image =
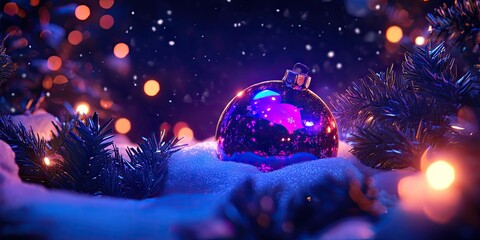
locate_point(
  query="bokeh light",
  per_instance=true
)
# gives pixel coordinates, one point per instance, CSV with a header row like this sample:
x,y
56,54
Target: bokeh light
x,y
419,40
151,88
186,134
106,103
47,82
178,126
106,21
75,37
82,108
123,125
82,12
106,4
440,175
54,63
394,34
121,50
10,8
60,79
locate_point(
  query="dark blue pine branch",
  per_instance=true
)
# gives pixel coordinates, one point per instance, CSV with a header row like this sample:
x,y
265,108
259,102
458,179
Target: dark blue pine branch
x,y
30,151
143,175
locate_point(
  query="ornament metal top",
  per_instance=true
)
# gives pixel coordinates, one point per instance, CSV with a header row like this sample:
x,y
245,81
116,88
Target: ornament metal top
x,y
276,123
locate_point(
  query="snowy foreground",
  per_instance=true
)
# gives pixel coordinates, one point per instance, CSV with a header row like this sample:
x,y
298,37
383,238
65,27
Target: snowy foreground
x,y
197,183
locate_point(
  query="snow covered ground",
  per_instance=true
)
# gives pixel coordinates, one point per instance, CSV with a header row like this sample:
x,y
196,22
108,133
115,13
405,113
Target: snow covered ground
x,y
197,183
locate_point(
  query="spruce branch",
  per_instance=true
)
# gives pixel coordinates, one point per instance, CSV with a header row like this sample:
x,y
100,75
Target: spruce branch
x,y
85,153
7,67
391,120
30,151
143,175
458,25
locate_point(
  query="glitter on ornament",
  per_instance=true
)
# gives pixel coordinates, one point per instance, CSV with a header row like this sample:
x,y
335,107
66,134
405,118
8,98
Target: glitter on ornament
x,y
276,123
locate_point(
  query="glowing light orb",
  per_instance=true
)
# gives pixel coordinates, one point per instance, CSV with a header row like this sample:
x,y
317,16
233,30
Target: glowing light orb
x,y
47,161
123,126
60,79
440,175
54,63
10,8
82,12
82,108
106,4
186,134
75,37
419,40
151,88
121,50
394,34
106,21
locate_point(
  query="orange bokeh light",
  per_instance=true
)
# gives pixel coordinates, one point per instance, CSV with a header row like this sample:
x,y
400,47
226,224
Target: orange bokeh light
x,y
151,88
186,134
47,82
440,175
123,125
34,3
106,4
82,12
106,104
54,63
394,34
178,126
106,21
75,37
10,8
121,50
60,79
83,108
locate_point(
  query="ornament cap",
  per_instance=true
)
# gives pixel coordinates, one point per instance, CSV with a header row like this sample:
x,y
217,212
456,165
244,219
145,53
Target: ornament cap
x,y
297,78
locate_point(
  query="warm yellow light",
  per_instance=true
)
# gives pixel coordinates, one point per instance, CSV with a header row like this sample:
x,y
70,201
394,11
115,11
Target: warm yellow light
x,y
47,162
82,12
186,134
239,94
123,125
394,34
83,108
151,88
440,175
419,40
121,50
54,63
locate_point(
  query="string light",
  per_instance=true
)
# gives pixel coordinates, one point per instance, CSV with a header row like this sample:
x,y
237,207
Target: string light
x,y
83,108
440,175
419,40
47,161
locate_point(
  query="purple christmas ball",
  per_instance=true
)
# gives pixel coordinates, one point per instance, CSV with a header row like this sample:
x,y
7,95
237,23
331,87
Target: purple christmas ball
x,y
273,124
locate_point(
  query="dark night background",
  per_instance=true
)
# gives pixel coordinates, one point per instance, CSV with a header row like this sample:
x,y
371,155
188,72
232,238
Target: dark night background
x,y
201,52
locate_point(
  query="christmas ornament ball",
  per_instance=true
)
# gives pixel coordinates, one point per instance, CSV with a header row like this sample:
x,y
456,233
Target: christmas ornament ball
x,y
276,123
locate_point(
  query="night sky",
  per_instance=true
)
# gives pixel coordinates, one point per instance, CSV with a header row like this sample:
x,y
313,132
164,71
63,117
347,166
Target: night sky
x,y
201,52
